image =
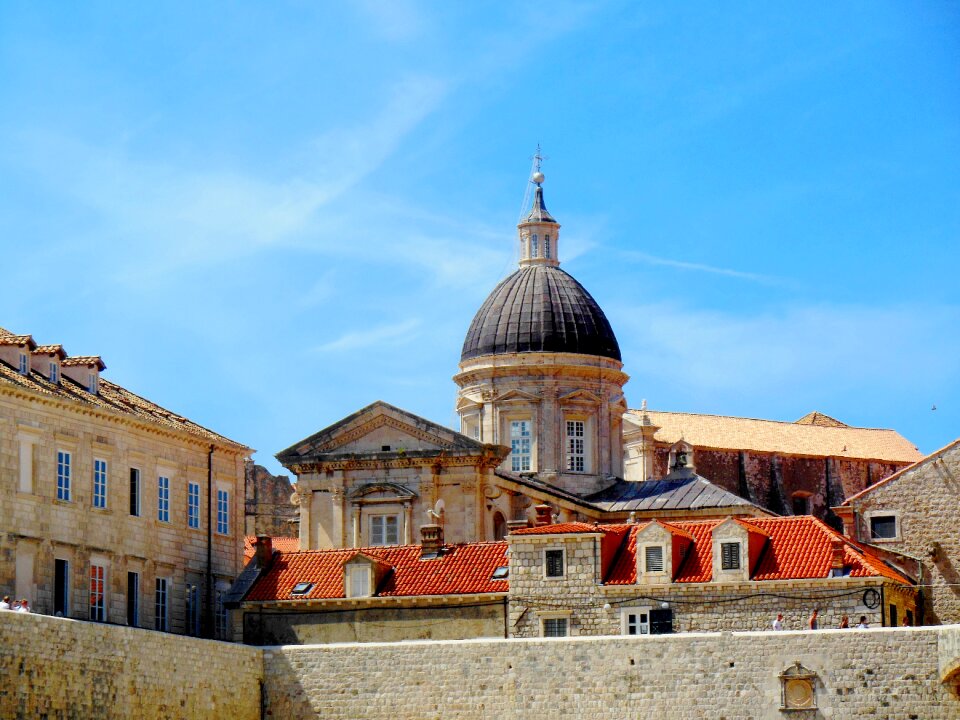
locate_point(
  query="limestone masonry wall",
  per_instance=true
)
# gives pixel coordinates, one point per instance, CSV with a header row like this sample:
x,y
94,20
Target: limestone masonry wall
x,y
878,674
56,668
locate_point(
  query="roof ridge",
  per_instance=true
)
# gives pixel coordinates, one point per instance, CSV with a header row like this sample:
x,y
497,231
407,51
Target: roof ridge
x,y
756,419
902,471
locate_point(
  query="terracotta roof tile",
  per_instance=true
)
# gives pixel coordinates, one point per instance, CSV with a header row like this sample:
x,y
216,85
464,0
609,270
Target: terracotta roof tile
x,y
734,433
561,529
460,570
84,361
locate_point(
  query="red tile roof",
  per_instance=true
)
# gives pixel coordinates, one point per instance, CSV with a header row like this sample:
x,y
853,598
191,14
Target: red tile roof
x,y
460,570
562,529
799,547
280,544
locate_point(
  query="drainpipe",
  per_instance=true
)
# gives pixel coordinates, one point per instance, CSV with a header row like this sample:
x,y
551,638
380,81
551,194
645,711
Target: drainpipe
x,y
209,630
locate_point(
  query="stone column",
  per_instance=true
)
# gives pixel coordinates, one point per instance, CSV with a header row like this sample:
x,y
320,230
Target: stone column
x,y
355,514
407,523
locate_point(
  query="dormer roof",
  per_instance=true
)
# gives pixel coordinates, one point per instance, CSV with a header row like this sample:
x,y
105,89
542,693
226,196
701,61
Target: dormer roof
x,y
85,361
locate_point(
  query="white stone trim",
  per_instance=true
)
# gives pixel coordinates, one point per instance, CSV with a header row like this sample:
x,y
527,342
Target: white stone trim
x,y
870,514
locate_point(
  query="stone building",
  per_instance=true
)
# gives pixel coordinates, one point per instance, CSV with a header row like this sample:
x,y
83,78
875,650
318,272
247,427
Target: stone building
x,y
658,577
270,506
916,513
431,591
113,508
544,419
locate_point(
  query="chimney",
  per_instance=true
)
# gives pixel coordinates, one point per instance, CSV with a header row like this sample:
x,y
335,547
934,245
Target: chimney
x,y
431,538
836,553
544,515
263,550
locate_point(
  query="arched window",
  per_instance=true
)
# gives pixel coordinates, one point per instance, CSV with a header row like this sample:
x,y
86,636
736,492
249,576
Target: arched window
x,y
534,246
546,246
499,526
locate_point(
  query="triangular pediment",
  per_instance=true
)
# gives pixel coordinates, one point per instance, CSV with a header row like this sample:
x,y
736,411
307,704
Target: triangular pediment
x,y
516,396
378,428
579,396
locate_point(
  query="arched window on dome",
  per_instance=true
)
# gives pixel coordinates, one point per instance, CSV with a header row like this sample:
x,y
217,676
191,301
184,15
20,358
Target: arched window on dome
x,y
546,246
534,246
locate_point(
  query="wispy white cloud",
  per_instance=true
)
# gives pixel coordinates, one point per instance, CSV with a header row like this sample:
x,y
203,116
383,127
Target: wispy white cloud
x,y
381,336
702,267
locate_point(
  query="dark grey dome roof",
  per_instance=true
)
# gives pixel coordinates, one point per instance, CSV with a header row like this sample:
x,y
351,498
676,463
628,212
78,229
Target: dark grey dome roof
x,y
540,308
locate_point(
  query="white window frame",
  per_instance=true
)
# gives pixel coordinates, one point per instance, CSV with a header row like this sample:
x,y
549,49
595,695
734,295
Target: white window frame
x,y
64,474
100,475
470,425
575,444
54,372
521,446
93,383
161,604
663,559
361,584
193,505
563,563
223,511
381,520
163,498
546,617
24,366
898,530
98,600
640,624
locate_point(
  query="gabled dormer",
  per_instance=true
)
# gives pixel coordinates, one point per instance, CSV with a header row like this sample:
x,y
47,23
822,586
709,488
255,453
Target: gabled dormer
x,y
661,548
737,547
84,370
47,360
15,350
362,574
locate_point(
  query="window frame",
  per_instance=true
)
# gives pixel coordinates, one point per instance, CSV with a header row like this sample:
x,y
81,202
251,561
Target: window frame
x,y
625,614
64,474
163,498
735,546
555,617
161,604
524,442
23,366
366,586
98,592
663,559
872,515
135,490
223,511
193,505
547,554
191,608
575,454
65,581
100,483
54,372
374,519
133,598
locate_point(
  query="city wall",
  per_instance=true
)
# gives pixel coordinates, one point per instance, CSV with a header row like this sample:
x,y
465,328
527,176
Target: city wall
x,y
58,668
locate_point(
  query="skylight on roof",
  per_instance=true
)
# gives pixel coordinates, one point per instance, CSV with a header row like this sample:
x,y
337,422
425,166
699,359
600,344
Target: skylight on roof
x,y
302,588
501,573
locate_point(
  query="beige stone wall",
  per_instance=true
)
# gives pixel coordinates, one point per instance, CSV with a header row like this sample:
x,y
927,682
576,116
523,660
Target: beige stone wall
x,y
697,607
51,667
859,674
374,624
37,529
926,501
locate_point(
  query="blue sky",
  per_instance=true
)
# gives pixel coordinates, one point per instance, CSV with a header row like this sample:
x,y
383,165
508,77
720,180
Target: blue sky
x,y
267,215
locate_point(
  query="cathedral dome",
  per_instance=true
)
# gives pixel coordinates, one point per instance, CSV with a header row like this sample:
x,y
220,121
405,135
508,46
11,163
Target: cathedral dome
x,y
540,308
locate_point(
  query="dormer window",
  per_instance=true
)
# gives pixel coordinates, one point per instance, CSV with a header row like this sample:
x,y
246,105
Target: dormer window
x,y
653,559
359,581
730,556
54,372
24,364
93,383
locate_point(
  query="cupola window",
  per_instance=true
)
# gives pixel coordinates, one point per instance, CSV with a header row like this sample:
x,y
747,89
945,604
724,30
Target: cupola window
x,y
546,247
576,457
520,445
534,246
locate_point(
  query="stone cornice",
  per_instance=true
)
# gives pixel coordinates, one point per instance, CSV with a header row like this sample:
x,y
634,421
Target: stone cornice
x,y
395,460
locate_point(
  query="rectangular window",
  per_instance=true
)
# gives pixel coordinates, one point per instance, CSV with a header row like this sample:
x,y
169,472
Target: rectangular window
x,y
661,621
223,512
134,492
28,453
24,364
359,582
520,445
534,247
54,373
553,561
160,605
61,588
98,584
220,615
163,499
384,529
653,558
637,622
192,618
193,505
883,527
730,556
555,627
92,383
133,599
99,483
546,247
576,458
63,476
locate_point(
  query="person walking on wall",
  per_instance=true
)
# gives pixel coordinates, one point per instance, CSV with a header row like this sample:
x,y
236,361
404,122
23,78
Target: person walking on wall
x,y
24,606
5,605
778,623
814,622
844,622
862,625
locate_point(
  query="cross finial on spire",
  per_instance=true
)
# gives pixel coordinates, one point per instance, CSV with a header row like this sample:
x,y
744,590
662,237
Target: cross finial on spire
x,y
538,158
